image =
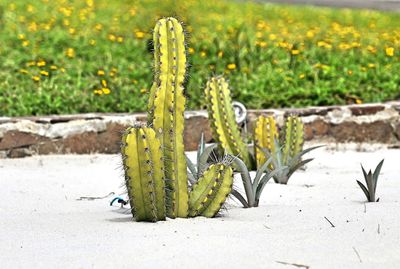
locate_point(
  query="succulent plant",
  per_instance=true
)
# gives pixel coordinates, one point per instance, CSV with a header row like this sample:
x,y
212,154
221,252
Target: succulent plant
x,y
253,188
265,133
286,158
209,193
222,118
371,179
144,175
166,110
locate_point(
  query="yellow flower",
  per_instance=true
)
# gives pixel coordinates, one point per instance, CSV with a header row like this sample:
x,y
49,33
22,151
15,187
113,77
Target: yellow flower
x,y
310,34
23,71
350,72
220,54
36,78
139,34
143,90
295,52
70,52
272,36
25,43
371,49
21,36
41,63
98,27
100,72
390,52
31,63
104,82
99,92
44,73
301,76
359,101
72,30
120,39
106,90
112,37
53,67
231,66
371,65
191,50
203,54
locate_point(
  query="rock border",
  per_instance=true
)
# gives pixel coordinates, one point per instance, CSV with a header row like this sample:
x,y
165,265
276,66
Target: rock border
x,y
100,133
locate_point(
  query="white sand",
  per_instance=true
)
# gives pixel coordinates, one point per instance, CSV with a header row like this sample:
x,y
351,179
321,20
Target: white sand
x,y
42,225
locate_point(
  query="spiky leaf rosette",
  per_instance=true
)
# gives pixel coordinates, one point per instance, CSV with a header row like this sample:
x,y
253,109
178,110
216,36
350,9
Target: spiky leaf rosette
x,y
144,176
222,117
265,133
294,138
166,109
210,192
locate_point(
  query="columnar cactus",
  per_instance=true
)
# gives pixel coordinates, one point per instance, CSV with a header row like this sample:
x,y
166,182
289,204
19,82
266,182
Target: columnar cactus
x,y
166,110
144,175
210,192
265,134
222,117
294,138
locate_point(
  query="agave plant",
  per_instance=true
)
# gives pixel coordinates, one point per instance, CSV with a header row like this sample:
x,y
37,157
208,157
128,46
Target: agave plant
x,y
371,179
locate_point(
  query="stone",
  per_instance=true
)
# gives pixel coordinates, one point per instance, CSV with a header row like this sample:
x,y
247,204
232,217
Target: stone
x,y
316,128
110,140
16,139
19,153
194,126
397,131
84,143
366,109
378,131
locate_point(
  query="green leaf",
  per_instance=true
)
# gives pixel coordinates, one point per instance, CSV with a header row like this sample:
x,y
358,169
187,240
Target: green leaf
x,y
364,190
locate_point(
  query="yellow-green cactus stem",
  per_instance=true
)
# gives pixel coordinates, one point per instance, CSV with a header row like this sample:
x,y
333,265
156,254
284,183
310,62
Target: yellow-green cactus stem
x,y
222,118
168,108
265,134
144,175
294,138
210,192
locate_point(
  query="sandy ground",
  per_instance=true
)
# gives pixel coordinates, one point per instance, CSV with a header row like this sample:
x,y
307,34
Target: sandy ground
x,y
43,225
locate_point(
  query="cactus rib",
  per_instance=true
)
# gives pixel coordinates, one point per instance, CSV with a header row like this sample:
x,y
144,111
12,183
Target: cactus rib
x,y
294,132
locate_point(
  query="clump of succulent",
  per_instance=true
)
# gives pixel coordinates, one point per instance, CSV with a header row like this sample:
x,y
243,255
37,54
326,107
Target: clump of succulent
x,y
222,119
154,160
144,174
286,156
371,180
253,187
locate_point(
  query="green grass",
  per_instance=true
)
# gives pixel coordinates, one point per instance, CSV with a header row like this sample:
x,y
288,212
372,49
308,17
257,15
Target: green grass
x,y
53,53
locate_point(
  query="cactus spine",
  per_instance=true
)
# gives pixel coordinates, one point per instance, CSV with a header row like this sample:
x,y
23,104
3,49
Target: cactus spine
x,y
265,133
294,138
222,116
210,192
166,110
144,176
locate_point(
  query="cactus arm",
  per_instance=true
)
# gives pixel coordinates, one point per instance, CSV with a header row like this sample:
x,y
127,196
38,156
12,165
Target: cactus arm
x,y
264,134
223,193
204,190
223,121
169,105
294,138
144,179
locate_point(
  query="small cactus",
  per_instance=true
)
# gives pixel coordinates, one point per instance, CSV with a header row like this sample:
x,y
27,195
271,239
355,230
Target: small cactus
x,y
211,190
222,118
294,138
144,175
265,134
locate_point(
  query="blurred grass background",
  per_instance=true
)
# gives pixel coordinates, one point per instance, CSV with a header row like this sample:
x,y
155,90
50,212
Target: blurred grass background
x,y
62,56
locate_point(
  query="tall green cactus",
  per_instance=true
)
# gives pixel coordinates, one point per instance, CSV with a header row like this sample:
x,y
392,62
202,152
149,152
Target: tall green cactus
x,y
222,117
144,176
294,138
265,134
166,110
210,192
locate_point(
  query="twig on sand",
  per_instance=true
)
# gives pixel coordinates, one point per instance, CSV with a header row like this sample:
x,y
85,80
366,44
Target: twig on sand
x,y
267,227
333,226
365,208
379,228
294,264
91,198
358,255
